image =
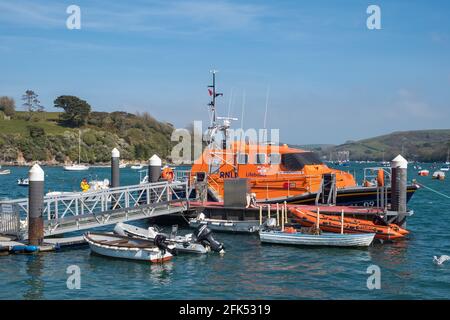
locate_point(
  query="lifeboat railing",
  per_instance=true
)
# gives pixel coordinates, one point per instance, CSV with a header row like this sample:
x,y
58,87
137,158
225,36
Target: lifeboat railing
x,y
219,155
214,185
370,177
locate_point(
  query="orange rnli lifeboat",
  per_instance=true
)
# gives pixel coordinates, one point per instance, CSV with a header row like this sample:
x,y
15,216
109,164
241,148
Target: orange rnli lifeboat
x,y
351,225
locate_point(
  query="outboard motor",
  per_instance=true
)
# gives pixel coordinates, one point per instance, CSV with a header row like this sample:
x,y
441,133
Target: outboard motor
x,y
160,242
204,236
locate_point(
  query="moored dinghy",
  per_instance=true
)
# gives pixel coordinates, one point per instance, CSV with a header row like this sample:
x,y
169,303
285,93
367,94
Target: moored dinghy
x,y
313,237
323,239
116,246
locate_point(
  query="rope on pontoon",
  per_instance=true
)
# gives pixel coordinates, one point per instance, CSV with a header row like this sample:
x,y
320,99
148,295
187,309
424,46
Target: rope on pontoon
x,y
435,191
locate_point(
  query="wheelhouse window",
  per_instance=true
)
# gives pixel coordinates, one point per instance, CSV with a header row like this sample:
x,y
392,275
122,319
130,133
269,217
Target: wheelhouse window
x,y
260,158
297,161
242,158
274,158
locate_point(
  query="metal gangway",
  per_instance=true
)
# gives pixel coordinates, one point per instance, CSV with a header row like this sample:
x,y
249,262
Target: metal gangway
x,y
76,211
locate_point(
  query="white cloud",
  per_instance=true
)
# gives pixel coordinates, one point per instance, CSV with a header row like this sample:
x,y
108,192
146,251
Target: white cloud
x,y
410,106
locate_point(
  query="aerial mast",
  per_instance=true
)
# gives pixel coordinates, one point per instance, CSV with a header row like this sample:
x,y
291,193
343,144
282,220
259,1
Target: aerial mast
x,y
214,95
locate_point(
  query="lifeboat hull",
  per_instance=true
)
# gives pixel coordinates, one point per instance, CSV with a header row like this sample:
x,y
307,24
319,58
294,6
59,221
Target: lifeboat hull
x,y
351,225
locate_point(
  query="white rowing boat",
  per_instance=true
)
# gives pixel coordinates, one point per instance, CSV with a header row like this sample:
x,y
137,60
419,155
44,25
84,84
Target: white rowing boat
x,y
323,239
116,246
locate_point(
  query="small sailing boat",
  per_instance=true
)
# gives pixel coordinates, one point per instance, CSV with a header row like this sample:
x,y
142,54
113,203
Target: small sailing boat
x,y
446,167
77,166
116,246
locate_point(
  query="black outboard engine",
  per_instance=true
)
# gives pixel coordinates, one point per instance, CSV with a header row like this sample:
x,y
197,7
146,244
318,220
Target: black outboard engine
x,y
160,242
204,236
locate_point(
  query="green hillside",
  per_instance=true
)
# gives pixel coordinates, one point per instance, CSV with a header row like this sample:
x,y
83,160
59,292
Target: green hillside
x,y
43,137
421,145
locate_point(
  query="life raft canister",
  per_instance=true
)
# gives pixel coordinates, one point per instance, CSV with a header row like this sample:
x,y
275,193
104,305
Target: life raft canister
x,y
167,174
380,178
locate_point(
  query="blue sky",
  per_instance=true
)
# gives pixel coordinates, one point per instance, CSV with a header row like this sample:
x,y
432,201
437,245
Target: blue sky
x,y
331,79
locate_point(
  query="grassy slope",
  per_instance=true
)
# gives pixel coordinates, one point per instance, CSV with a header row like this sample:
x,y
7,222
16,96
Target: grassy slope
x,y
60,141
47,121
426,145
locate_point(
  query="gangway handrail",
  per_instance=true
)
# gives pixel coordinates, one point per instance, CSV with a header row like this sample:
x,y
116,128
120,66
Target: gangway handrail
x,y
143,200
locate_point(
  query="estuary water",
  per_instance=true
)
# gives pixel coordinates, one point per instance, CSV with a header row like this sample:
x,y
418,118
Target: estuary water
x,y
248,270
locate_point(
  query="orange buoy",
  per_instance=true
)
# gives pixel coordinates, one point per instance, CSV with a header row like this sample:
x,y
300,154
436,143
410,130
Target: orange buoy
x,y
380,178
167,174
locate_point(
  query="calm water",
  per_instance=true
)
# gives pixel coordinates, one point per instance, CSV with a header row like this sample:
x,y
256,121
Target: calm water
x,y
248,270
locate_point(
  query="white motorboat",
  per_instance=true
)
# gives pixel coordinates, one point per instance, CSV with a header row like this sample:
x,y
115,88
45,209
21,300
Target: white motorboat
x,y
122,165
5,172
23,182
96,185
244,226
116,246
200,242
137,167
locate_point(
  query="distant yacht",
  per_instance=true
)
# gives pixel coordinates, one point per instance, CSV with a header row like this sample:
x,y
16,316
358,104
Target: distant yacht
x,y
78,166
446,167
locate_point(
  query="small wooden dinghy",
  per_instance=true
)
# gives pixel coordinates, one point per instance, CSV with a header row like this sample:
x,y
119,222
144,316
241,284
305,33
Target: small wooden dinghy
x,y
186,243
122,247
323,239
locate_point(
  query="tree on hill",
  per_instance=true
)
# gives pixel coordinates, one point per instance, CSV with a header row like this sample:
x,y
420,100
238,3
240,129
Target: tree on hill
x,y
76,110
7,105
31,102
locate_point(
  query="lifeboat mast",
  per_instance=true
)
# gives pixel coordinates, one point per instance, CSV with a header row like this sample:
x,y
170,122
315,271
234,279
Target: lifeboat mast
x,y
215,126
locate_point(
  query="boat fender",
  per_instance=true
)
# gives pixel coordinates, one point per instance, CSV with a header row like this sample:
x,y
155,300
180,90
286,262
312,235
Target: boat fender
x,y
380,178
24,249
204,236
30,249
